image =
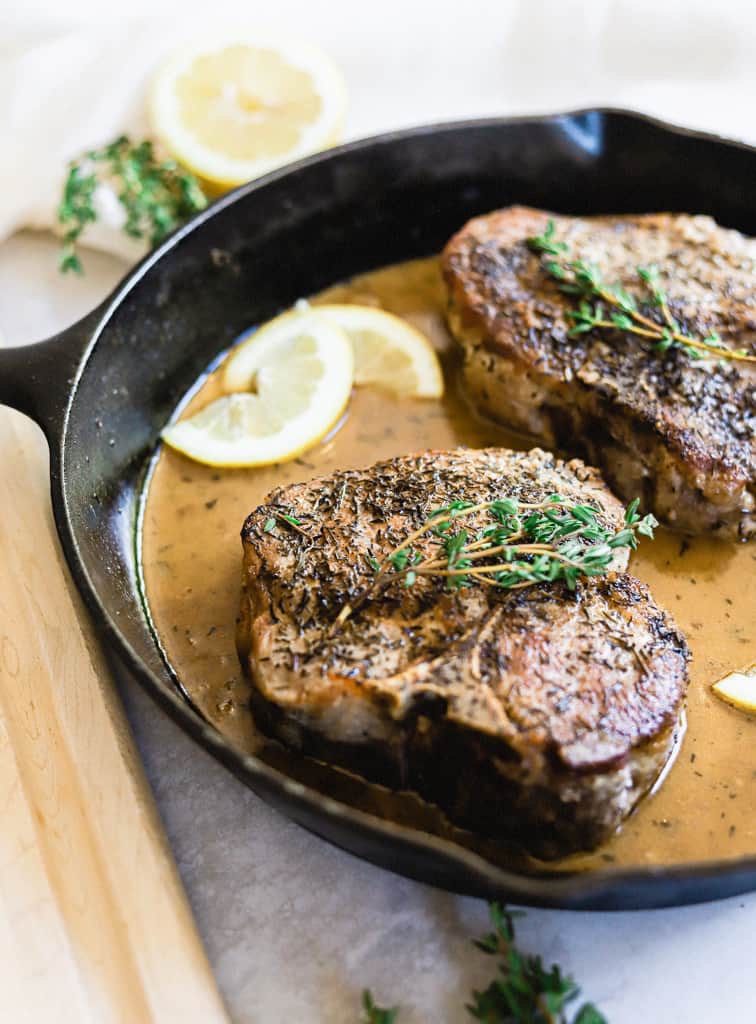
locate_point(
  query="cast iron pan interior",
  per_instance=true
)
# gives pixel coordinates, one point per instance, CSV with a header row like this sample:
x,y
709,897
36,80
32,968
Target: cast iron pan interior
x,y
103,389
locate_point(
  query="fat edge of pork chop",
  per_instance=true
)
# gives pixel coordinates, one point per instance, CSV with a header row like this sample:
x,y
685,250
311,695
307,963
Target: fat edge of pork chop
x,y
681,433
539,716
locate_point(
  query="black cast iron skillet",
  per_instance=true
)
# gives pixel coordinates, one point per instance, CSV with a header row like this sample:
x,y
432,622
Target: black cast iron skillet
x,y
103,389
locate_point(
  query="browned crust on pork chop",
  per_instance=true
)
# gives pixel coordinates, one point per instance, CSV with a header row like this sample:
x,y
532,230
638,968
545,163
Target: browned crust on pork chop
x,y
539,715
679,432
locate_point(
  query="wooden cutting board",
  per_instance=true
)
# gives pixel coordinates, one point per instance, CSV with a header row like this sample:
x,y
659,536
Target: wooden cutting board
x,y
94,923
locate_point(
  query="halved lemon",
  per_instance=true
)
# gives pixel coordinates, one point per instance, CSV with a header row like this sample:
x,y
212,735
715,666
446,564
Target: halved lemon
x,y
388,352
233,106
739,689
299,378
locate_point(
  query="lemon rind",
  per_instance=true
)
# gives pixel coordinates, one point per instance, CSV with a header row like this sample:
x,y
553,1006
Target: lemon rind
x,y
241,363
166,122
330,400
731,694
422,353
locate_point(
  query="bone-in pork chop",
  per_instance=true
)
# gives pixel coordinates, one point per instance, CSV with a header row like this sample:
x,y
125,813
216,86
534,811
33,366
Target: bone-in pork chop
x,y
540,715
680,433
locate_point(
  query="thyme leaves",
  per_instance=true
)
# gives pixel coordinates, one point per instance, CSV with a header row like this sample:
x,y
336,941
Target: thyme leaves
x,y
155,195
523,544
523,991
604,306
275,517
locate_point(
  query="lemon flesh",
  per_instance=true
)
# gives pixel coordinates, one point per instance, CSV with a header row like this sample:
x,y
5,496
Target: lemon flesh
x,y
236,106
388,352
738,689
299,384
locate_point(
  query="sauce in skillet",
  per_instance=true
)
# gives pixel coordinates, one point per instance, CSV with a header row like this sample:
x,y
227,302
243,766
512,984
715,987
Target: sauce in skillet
x,y
191,561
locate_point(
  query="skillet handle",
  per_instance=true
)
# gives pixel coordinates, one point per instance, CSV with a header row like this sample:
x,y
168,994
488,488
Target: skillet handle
x,y
37,379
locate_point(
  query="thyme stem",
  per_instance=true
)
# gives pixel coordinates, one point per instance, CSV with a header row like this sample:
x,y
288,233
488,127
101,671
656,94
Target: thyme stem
x,y
584,280
155,195
524,543
442,516
523,990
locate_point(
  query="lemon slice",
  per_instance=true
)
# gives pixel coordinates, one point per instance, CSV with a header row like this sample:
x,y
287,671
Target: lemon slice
x,y
300,369
738,688
388,352
234,106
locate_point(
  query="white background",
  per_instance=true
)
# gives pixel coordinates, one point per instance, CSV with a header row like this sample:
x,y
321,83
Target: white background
x,y
293,927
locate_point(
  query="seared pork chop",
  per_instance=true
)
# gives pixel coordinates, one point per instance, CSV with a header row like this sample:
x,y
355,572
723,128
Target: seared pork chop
x,y
541,715
679,432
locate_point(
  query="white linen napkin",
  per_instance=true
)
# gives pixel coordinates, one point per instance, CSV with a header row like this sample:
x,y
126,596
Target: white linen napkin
x,y
65,92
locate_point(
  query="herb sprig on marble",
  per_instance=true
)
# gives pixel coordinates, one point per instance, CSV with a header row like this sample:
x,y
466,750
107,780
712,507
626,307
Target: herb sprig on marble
x,y
605,306
523,991
156,195
522,544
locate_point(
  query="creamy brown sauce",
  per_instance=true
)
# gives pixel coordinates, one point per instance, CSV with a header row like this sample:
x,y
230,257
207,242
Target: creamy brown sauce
x,y
191,555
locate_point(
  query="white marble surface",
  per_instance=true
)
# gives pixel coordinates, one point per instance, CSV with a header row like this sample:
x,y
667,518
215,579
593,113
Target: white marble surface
x,y
293,927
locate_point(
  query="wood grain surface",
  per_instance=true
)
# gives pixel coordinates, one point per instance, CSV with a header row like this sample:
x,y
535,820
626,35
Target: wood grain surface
x,y
94,922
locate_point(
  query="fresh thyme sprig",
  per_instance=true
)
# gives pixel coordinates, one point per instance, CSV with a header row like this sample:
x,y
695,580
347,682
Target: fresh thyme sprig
x,y
524,544
523,992
610,306
156,195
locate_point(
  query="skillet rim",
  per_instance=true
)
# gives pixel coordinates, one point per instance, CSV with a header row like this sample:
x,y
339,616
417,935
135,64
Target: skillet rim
x,y
453,867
